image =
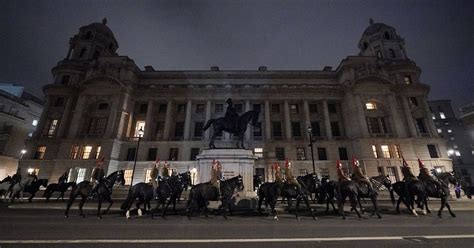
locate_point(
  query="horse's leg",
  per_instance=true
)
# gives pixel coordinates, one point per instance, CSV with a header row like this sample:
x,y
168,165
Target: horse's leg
x,y
397,208
449,209
223,208
340,206
99,205
69,203
274,212
443,203
374,202
360,205
426,205
107,198
165,208
306,200
259,205
81,204
353,200
30,199
297,206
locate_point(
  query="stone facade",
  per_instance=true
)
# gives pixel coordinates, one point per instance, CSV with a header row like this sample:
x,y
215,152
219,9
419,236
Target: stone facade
x,y
374,100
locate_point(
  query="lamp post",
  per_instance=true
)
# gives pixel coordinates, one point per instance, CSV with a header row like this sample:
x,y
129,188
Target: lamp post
x,y
140,135
23,151
311,141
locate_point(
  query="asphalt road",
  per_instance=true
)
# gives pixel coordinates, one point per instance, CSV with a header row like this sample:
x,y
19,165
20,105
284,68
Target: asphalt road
x,y
49,228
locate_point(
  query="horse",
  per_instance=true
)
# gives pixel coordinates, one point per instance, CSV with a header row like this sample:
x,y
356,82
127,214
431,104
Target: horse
x,y
104,190
364,191
327,193
202,193
34,187
62,187
312,181
444,179
5,185
351,189
144,193
400,188
236,128
257,181
169,191
17,188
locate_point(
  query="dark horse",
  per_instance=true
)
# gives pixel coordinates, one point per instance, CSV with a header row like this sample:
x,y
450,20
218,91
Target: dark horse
x,y
202,193
314,184
33,188
56,187
141,191
238,129
104,190
327,193
169,191
270,192
379,183
351,189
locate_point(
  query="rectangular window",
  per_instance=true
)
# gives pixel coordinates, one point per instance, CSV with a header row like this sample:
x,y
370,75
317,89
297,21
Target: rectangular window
x,y
52,128
316,129
335,128
81,174
380,171
147,175
257,130
441,115
280,153
130,154
100,126
313,108
276,128
294,109
219,108
179,129
322,153
238,108
373,125
181,108
198,129
160,126
332,108
258,151
127,174
276,108
173,154
194,153
420,124
392,174
343,153
396,152
199,108
162,108
385,151
74,152
97,152
143,108
300,153
296,129
374,150
86,152
407,79
152,154
139,129
433,151
40,151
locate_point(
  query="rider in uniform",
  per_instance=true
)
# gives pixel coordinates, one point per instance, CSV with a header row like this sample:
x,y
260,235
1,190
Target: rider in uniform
x,y
63,178
278,178
97,176
359,175
290,178
408,175
340,173
154,173
231,113
216,175
426,177
165,173
15,179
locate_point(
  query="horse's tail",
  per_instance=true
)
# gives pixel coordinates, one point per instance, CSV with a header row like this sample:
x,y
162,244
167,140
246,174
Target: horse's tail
x,y
392,197
208,124
125,205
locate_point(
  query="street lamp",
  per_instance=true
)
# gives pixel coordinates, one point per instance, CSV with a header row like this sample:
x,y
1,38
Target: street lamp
x,y
23,151
311,141
140,135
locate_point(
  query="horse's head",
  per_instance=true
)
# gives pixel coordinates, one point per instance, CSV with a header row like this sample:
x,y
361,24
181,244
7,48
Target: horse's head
x,y
448,177
120,177
43,182
240,183
72,184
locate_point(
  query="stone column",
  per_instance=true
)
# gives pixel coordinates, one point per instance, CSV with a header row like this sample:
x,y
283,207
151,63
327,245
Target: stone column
x,y
149,122
187,121
286,113
64,119
397,126
168,120
113,112
268,121
409,117
307,119
77,117
327,120
360,113
208,117
429,119
247,108
43,118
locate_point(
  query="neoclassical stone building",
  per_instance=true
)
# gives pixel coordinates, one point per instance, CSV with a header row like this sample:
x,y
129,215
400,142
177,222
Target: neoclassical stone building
x,y
372,105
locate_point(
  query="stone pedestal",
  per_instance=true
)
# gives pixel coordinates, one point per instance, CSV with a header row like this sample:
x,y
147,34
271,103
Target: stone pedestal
x,y
234,162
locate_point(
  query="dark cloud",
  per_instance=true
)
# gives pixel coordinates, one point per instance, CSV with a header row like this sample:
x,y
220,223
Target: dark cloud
x,y
193,35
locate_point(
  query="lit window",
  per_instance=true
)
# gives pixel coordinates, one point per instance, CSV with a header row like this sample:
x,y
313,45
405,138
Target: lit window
x,y
450,131
374,150
397,153
439,130
35,123
371,105
74,152
385,151
258,152
52,128
40,151
127,174
407,79
86,153
458,154
441,115
147,175
138,126
97,153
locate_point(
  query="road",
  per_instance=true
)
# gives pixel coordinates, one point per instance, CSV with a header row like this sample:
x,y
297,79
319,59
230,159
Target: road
x,y
49,228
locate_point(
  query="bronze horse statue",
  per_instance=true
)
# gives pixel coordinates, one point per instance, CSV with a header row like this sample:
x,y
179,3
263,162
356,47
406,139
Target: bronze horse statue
x,y
237,127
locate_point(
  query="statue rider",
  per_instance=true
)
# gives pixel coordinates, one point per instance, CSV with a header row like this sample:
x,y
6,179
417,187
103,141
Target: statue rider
x,y
426,177
98,175
216,175
359,175
290,178
231,114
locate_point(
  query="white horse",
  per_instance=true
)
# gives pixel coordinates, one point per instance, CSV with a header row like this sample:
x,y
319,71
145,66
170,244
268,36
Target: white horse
x,y
17,190
5,186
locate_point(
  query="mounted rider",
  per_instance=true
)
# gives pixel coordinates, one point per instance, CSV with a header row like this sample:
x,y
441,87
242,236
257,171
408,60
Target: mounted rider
x,y
231,114
16,178
98,175
278,178
290,179
408,175
359,175
340,173
63,178
155,172
216,175
426,177
165,173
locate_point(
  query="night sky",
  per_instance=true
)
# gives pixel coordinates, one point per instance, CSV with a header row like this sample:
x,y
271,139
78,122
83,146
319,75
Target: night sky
x,y
236,35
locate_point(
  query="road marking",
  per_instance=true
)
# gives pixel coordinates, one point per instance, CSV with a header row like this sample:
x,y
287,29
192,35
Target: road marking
x,y
266,240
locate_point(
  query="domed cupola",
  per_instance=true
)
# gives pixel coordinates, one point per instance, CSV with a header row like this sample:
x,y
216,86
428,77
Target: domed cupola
x,y
92,41
382,40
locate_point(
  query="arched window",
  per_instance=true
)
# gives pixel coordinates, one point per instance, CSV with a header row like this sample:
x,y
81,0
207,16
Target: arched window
x,y
392,53
387,36
83,52
371,106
